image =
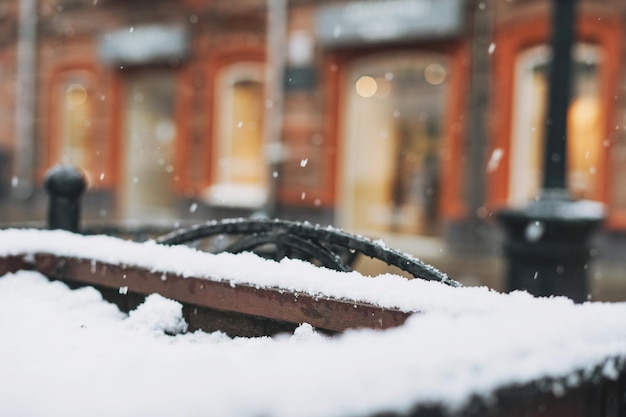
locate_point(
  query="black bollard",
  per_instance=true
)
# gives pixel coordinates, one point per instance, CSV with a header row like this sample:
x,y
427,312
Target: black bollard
x,y
65,186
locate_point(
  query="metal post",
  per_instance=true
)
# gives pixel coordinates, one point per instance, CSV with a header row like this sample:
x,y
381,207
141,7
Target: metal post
x,y
547,245
276,43
555,156
65,186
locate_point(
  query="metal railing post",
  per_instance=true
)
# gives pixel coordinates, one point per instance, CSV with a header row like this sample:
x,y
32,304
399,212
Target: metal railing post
x,y
65,186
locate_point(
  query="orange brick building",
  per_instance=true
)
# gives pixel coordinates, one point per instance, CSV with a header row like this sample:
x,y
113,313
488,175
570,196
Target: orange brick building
x,y
393,118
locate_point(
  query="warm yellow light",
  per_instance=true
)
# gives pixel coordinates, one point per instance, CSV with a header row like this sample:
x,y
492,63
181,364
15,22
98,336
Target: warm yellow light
x,y
366,86
435,74
584,111
76,94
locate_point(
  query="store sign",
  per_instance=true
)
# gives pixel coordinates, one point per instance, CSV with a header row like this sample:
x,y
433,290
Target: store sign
x,y
144,44
388,20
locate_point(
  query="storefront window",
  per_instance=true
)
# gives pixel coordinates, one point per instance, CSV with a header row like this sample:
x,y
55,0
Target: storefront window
x,y
393,133
241,171
529,115
150,137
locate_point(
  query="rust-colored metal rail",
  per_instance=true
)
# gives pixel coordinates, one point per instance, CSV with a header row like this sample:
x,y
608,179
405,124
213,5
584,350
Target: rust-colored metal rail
x,y
207,301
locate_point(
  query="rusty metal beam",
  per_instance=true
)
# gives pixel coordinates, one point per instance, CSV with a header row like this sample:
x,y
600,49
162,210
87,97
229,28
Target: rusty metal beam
x,y
271,303
13,263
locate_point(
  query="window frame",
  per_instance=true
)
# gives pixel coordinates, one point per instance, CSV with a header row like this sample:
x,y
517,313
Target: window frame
x,y
215,65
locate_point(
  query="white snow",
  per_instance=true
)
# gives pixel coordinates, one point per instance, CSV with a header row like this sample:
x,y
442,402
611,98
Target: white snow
x,y
494,160
158,315
69,353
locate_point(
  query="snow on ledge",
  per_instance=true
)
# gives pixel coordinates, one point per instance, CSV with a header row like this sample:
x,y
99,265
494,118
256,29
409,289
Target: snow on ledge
x,y
77,355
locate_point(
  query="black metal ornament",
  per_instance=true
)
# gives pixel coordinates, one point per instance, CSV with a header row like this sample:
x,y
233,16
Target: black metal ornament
x,y
326,246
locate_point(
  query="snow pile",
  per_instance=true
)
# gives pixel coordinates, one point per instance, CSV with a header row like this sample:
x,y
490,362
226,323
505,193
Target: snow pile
x,y
158,315
69,353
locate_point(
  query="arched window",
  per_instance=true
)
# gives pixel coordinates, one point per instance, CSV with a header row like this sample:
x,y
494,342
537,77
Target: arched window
x,y
585,124
240,172
73,100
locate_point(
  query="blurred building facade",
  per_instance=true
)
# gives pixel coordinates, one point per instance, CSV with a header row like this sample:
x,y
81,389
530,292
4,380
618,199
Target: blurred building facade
x,y
411,120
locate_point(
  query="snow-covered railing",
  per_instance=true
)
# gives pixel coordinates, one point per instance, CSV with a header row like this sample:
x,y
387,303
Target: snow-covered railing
x,y
277,307
245,294
465,352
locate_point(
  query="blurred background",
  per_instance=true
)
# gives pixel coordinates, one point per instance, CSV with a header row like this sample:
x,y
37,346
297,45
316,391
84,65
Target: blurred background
x,y
413,121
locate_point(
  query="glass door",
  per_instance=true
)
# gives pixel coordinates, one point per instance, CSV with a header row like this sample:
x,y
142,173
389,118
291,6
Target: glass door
x,y
393,115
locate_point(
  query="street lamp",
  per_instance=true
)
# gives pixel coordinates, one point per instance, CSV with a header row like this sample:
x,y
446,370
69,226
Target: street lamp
x,y
547,245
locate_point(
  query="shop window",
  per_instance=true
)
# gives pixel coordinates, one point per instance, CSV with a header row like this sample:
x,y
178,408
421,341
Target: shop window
x,y
393,138
149,140
585,124
240,172
74,139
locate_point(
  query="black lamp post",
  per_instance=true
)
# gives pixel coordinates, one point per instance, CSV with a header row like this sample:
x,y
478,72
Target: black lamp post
x,y
547,246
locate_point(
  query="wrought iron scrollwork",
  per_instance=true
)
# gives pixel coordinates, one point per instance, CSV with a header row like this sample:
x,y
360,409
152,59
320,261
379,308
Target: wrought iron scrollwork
x,y
325,246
